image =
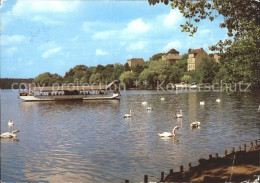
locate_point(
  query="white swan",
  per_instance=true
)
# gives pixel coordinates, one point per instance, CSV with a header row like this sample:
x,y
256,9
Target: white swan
x,y
169,134
162,98
195,124
178,115
217,100
10,125
258,108
9,135
202,103
128,115
144,103
149,108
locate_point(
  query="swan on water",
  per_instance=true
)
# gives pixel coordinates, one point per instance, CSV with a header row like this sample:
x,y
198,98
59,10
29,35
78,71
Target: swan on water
x,y
144,103
202,103
149,108
217,100
195,124
9,135
10,125
162,98
128,115
169,134
178,115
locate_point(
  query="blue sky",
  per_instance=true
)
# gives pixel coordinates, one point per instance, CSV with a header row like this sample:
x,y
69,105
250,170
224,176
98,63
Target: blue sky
x,y
53,36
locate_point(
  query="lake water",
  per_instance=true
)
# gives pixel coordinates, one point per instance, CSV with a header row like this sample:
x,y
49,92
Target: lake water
x,y
92,142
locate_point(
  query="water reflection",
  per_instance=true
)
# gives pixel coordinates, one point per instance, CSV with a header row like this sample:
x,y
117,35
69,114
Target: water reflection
x,y
193,103
8,140
90,141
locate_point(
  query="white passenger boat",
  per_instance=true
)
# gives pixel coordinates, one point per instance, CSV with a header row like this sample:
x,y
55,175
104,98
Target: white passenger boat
x,y
58,93
193,86
181,85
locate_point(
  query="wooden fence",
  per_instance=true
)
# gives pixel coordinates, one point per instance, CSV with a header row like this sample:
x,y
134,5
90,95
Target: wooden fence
x,y
253,145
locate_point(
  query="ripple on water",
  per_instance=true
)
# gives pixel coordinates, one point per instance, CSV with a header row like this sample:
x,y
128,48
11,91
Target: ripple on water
x,y
91,141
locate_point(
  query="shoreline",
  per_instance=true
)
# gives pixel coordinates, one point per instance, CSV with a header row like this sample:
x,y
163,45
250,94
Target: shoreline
x,y
237,166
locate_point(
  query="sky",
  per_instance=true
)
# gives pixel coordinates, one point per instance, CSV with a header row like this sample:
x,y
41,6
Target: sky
x,y
53,36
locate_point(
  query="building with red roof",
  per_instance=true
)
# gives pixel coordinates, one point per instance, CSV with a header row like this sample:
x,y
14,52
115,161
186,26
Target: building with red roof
x,y
195,58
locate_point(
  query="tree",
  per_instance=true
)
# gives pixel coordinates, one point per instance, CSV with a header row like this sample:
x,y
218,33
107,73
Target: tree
x,y
138,69
208,69
85,79
47,79
75,74
100,68
107,74
196,76
118,70
127,77
148,76
95,78
182,64
242,20
241,61
176,74
186,78
156,72
238,13
126,67
157,56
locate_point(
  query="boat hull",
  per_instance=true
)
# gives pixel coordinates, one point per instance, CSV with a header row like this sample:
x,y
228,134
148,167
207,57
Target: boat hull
x,y
68,98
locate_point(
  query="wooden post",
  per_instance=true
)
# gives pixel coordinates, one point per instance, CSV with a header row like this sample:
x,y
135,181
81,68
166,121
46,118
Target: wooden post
x,y
171,170
189,166
225,153
239,148
244,147
251,144
216,155
233,150
210,156
145,178
162,177
255,142
126,181
181,168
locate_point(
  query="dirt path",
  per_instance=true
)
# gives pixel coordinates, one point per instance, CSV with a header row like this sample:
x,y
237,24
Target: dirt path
x,y
244,167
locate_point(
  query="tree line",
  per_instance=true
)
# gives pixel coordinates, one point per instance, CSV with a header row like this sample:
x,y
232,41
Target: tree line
x,y
144,76
9,83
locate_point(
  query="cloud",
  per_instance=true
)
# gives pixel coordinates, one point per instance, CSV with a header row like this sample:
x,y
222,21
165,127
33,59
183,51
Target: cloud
x,y
173,44
204,32
90,27
172,19
10,40
45,20
29,63
47,45
11,51
51,52
132,30
101,52
60,62
23,7
104,34
136,26
137,46
76,38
